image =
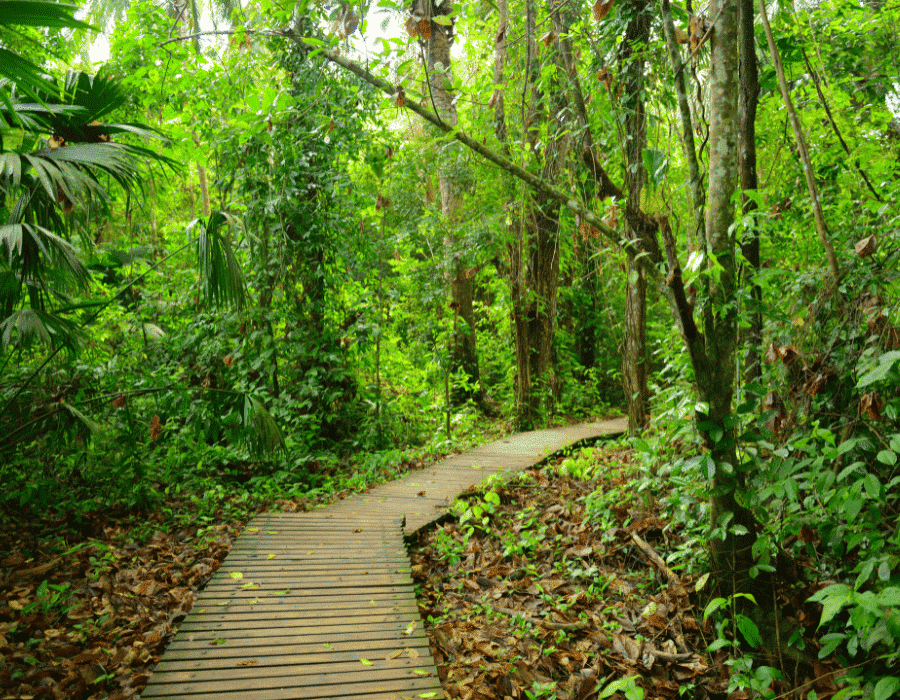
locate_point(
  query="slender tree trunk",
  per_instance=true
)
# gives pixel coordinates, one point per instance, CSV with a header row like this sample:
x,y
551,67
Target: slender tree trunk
x,y
535,304
750,247
696,235
818,213
715,373
634,365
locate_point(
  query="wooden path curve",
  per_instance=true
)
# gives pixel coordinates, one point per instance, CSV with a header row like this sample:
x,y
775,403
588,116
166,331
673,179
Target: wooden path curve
x,y
321,604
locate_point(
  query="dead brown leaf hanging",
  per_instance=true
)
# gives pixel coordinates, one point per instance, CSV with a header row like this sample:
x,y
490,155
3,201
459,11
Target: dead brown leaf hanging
x,y
867,246
155,428
788,354
771,353
425,29
871,404
601,9
699,28
401,99
412,27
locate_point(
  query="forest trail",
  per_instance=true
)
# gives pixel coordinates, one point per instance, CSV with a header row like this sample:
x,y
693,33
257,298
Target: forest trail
x,y
321,604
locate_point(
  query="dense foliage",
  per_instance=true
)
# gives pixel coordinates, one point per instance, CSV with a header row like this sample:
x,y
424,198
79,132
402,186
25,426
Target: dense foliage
x,y
233,270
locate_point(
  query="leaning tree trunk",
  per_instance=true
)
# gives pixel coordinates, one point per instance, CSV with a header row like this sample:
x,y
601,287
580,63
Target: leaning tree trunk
x,y
435,39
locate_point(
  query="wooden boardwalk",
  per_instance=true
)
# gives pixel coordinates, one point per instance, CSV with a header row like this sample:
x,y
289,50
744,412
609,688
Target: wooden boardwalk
x,y
321,604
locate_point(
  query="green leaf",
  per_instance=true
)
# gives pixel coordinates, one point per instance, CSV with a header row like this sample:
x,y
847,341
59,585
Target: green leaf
x,y
221,276
886,688
749,629
889,597
887,457
707,466
443,20
714,605
880,371
833,599
619,685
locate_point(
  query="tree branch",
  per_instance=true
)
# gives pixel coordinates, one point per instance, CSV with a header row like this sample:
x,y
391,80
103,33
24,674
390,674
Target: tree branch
x,y
536,183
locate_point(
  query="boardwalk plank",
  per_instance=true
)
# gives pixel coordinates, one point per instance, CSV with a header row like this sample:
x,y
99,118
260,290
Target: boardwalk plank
x,y
295,626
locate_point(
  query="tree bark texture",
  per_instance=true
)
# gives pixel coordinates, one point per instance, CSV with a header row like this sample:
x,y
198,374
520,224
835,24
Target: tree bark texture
x,y
634,361
715,375
750,246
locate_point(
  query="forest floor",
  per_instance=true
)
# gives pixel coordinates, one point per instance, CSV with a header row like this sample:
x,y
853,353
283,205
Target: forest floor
x,y
544,590
557,587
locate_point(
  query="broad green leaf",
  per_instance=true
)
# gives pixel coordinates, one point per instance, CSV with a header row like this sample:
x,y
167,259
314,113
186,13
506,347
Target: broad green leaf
x,y
749,629
714,605
886,688
236,575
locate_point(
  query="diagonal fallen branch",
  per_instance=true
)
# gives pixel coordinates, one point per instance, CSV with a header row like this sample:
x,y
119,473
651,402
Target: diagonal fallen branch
x,y
658,562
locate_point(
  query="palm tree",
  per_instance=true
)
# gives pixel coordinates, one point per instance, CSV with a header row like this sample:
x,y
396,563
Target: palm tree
x,y
55,155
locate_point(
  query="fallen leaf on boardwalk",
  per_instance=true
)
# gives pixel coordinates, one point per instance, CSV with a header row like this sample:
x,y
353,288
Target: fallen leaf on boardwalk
x,y
421,672
272,532
374,604
250,662
250,586
394,654
284,592
254,601
409,628
428,695
366,662
328,645
271,556
476,466
236,575
216,642
412,653
252,529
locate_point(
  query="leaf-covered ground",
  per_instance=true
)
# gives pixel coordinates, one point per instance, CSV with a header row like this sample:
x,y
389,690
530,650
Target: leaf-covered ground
x,y
549,590
541,587
89,602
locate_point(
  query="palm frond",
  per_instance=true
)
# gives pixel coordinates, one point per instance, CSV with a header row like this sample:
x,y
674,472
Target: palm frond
x,y
25,246
27,325
221,276
262,432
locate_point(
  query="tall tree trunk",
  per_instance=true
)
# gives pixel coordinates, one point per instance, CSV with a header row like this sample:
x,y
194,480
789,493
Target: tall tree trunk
x,y
537,247
634,364
715,373
696,235
435,41
749,98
